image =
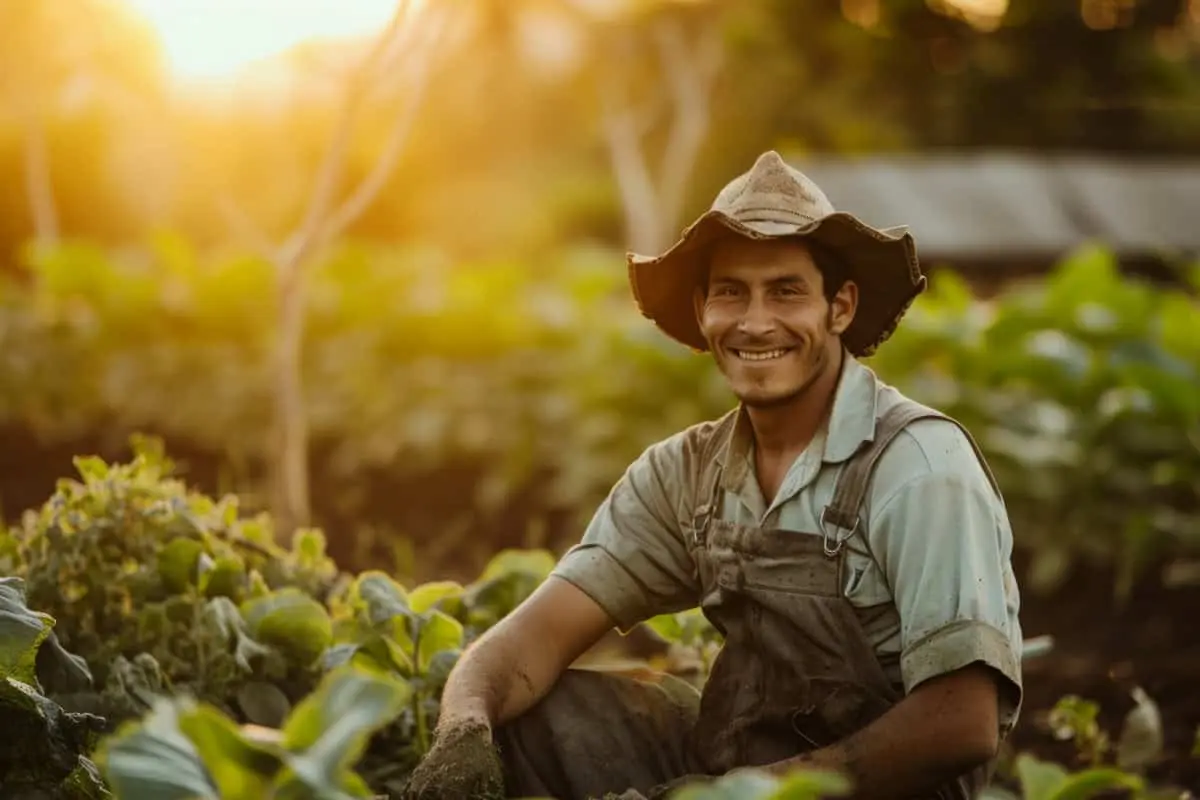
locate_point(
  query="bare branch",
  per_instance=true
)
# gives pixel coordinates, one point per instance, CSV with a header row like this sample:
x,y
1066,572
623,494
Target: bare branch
x,y
623,134
39,185
333,162
690,76
374,181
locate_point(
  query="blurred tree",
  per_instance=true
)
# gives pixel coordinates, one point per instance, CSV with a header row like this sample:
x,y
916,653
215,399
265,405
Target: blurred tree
x,y
657,68
399,62
60,58
608,119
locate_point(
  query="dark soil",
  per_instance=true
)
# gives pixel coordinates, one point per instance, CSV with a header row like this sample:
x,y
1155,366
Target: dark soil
x,y
1102,650
463,763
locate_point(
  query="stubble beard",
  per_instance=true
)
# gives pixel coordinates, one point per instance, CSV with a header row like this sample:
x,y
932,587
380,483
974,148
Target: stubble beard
x,y
816,366
770,402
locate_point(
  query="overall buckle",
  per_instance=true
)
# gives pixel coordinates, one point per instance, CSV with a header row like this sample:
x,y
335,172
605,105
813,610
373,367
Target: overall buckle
x,y
831,543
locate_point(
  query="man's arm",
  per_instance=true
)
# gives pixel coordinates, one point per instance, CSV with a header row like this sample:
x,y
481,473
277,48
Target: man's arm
x,y
631,564
514,664
944,728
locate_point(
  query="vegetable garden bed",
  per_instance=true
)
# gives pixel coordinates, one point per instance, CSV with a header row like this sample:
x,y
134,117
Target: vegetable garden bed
x,y
156,643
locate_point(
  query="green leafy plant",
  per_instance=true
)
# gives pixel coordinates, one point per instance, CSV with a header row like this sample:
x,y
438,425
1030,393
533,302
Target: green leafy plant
x,y
1077,720
407,634
1081,390
188,750
1138,745
266,629
44,749
524,389
1042,780
134,563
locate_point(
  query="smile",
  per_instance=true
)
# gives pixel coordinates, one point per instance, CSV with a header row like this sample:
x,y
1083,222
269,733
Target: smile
x,y
767,355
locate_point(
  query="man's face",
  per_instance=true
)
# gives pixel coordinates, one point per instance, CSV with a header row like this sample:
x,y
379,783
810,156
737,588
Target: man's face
x,y
766,319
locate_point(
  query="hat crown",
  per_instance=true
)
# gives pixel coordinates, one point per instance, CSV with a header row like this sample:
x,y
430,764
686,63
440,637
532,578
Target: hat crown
x,y
773,191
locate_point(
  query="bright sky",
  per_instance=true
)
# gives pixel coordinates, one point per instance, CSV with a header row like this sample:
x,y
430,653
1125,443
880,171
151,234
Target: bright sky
x,y
213,40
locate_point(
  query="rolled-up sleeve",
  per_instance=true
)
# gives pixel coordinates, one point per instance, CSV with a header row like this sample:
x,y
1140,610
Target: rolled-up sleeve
x,y
632,559
943,540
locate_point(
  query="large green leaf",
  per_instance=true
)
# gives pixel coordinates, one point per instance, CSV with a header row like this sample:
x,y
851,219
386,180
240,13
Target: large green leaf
x,y
812,785
329,730
177,563
438,633
153,760
85,783
240,768
738,786
21,632
292,621
1042,780
231,627
379,597
509,578
226,577
43,747
445,595
800,784
1095,782
537,563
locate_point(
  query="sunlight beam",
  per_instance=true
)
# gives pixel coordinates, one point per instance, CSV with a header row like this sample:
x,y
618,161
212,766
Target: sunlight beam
x,y
215,40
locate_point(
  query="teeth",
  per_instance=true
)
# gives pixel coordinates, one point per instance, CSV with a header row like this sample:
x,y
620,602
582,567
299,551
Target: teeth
x,y
767,356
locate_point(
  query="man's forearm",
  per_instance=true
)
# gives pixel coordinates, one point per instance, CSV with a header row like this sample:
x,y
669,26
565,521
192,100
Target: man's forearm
x,y
514,664
493,682
934,735
480,684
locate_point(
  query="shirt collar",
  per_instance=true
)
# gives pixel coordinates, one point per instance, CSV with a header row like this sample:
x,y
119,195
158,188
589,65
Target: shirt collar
x,y
851,422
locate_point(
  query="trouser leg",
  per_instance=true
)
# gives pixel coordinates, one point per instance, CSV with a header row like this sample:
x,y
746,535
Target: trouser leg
x,y
595,733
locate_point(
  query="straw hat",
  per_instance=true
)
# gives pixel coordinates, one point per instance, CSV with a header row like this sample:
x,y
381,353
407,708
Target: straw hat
x,y
774,200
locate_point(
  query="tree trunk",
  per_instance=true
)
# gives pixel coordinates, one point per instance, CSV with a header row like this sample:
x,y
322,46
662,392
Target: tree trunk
x,y
39,186
322,222
290,490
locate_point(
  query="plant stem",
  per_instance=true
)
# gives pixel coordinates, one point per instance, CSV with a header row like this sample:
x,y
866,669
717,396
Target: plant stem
x,y
418,692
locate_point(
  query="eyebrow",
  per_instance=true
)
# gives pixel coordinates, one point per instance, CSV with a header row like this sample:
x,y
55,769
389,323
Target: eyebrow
x,y
782,279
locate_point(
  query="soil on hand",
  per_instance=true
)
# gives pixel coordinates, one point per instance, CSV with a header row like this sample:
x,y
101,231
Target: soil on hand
x,y
462,763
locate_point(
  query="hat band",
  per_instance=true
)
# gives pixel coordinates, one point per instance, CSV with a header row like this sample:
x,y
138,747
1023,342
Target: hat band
x,y
767,214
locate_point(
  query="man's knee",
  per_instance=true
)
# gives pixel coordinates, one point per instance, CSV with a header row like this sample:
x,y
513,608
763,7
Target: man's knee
x,y
600,731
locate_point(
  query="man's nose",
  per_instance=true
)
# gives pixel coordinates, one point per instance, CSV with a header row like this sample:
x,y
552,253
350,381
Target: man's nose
x,y
757,320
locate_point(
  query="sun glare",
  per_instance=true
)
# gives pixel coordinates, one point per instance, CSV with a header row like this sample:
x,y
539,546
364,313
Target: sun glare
x,y
214,40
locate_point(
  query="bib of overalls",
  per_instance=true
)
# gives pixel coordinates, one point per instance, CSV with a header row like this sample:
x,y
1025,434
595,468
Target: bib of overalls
x,y
797,670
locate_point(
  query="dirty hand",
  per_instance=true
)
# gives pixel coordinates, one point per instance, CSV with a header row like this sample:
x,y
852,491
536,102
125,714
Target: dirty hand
x,y
463,763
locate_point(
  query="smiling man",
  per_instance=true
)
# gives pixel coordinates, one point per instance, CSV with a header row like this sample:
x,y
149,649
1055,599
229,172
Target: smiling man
x,y
849,543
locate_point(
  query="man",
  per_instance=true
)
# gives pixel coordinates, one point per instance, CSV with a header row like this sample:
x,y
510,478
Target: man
x,y
849,544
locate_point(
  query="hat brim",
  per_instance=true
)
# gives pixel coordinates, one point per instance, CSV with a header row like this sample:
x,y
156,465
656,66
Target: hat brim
x,y
882,263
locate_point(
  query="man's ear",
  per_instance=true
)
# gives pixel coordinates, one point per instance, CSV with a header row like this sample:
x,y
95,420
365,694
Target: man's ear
x,y
843,307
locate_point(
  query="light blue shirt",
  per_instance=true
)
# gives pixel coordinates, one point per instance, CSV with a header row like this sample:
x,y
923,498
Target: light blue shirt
x,y
928,570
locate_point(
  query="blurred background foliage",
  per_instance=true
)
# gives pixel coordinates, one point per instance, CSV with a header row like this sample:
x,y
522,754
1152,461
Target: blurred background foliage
x,y
474,374
460,408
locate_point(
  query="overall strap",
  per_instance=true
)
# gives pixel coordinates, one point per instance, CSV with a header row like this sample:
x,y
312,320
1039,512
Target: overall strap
x,y
705,474
842,513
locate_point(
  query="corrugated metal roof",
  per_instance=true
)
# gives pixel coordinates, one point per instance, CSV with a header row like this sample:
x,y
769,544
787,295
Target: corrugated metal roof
x,y
1000,205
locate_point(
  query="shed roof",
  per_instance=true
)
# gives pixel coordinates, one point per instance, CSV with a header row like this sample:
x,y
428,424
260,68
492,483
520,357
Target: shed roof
x,y
998,205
